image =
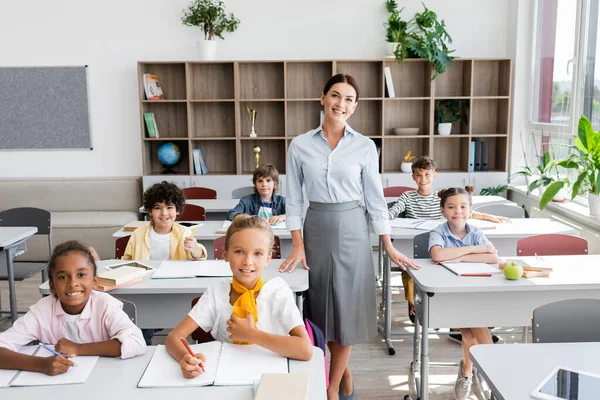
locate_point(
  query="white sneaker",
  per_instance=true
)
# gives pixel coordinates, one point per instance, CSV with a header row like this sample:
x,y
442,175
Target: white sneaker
x,y
462,387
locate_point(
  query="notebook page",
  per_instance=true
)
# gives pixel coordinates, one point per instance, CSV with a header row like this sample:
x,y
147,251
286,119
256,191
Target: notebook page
x,y
164,371
7,375
215,268
78,374
243,364
470,268
176,270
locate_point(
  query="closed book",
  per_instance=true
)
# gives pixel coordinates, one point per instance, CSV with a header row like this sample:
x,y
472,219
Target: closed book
x,y
107,288
477,156
197,165
484,156
155,125
282,387
149,120
133,225
389,84
120,275
152,87
472,156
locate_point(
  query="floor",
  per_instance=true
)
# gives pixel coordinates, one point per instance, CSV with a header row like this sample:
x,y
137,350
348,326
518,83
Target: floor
x,y
377,375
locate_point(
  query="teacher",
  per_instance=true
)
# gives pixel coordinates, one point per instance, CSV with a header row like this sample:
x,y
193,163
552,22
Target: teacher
x,y
338,168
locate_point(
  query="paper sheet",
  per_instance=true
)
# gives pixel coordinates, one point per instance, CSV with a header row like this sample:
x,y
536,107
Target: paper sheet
x,y
216,268
242,364
462,268
7,375
176,270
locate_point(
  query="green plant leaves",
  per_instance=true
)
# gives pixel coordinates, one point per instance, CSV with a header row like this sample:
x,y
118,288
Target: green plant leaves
x,y
551,191
211,17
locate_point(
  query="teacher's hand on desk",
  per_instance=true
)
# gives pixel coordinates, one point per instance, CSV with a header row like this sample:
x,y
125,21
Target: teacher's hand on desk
x,y
400,259
297,255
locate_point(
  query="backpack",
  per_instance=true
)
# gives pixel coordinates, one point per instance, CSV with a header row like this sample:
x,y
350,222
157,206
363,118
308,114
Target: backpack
x,y
317,339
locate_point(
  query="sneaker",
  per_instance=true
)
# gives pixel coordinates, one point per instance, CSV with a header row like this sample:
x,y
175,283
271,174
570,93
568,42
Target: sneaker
x,y
495,339
462,387
455,337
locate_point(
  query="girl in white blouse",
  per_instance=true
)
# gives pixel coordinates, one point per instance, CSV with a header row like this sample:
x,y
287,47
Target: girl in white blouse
x,y
245,309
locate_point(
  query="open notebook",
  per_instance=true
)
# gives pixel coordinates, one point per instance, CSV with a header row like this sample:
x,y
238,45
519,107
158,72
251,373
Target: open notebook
x,y
227,364
470,269
226,224
415,223
192,269
78,374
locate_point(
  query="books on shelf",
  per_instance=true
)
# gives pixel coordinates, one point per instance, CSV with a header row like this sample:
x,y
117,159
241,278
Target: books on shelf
x,y
151,126
472,156
479,156
227,364
389,84
152,87
199,164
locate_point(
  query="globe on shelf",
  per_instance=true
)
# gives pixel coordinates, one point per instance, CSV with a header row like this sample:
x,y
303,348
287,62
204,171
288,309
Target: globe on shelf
x,y
169,155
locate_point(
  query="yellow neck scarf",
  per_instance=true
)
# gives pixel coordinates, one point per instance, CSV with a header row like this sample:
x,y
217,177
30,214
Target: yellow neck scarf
x,y
246,303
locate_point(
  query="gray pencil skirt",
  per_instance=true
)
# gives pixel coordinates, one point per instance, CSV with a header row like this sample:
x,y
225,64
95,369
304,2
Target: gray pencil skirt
x,y
341,293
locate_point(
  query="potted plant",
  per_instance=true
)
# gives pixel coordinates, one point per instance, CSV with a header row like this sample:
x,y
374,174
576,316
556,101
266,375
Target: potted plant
x,y
546,175
584,159
449,111
423,36
211,17
494,191
406,165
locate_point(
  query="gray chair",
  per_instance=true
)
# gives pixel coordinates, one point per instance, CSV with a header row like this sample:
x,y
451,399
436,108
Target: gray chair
x,y
130,309
28,216
567,321
241,192
503,210
421,246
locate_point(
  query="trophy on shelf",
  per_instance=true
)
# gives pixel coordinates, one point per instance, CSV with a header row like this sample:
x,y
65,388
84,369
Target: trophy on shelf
x,y
257,150
252,115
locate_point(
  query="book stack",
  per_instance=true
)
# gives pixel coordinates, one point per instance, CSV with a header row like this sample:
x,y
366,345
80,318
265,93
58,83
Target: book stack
x,y
152,87
199,165
151,125
120,275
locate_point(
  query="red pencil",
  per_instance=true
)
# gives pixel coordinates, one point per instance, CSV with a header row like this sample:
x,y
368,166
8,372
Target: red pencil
x,y
488,275
189,349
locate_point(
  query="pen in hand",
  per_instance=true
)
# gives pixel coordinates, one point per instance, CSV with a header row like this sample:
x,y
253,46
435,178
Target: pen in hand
x,y
189,349
55,352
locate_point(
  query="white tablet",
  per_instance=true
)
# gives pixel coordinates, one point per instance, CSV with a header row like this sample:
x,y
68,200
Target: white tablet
x,y
566,384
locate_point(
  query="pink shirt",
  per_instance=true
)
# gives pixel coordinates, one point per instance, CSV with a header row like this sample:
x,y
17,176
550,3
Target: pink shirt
x,y
102,319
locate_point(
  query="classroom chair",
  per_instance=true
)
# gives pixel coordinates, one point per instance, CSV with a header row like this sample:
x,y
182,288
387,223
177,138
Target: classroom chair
x,y
120,246
200,335
192,213
130,309
219,248
199,193
241,192
567,321
396,191
552,245
503,210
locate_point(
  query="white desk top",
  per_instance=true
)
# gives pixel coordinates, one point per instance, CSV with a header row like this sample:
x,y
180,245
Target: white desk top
x,y
569,272
10,235
519,228
118,379
298,281
514,370
208,231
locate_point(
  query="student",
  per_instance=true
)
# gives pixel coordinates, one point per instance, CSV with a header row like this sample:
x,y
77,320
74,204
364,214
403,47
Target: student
x,y
424,203
245,309
264,202
457,241
75,319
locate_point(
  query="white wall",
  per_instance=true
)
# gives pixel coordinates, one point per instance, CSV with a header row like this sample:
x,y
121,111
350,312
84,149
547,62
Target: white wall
x,y
112,35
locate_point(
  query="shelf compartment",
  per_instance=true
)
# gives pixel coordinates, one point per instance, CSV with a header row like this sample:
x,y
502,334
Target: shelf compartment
x,y
219,155
152,165
489,117
171,77
272,152
305,80
261,80
212,119
270,118
456,81
451,153
497,151
368,75
367,118
171,118
411,78
396,147
406,114
461,126
303,116
491,78
210,81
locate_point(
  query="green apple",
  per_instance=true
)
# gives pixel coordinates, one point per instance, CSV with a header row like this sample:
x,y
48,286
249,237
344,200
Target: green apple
x,y
513,271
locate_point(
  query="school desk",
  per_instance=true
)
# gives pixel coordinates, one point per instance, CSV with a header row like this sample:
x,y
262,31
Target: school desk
x,y
10,239
162,303
113,378
514,371
443,300
207,233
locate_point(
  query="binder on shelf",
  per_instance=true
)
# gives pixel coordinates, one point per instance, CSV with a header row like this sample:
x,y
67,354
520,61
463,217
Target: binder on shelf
x,y
150,124
389,84
484,156
199,165
472,156
477,156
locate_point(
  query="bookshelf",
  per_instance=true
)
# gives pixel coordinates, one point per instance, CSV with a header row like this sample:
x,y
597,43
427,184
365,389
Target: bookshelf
x,y
205,108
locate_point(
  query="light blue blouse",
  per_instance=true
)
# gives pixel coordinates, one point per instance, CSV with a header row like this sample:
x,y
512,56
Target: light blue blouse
x,y
443,237
348,173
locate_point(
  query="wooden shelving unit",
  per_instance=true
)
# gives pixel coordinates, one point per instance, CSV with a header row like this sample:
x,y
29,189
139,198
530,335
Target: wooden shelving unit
x,y
205,107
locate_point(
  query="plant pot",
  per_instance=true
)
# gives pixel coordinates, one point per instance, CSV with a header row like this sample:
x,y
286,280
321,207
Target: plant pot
x,y
389,49
561,196
208,49
406,167
444,128
594,204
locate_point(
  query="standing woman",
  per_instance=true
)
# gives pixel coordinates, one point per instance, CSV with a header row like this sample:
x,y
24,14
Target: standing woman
x,y
339,169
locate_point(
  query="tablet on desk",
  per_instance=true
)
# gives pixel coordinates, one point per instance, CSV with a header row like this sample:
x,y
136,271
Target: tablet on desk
x,y
566,384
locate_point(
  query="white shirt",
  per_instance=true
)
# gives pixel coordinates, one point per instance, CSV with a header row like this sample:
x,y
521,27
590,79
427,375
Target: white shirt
x,y
277,311
72,332
160,245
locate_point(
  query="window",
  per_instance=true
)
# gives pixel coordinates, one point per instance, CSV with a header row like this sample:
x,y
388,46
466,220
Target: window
x,y
590,92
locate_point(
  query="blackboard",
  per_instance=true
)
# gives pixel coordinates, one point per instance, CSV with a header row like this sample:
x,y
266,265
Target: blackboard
x,y
44,108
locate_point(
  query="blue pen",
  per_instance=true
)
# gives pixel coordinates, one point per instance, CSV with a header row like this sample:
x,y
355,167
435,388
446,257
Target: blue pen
x,y
54,352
